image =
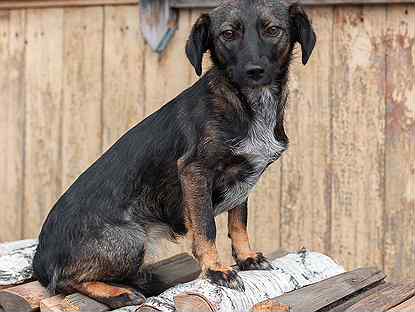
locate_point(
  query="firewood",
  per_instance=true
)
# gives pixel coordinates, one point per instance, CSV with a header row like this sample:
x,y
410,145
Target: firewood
x,y
16,262
316,297
292,271
385,299
23,298
195,302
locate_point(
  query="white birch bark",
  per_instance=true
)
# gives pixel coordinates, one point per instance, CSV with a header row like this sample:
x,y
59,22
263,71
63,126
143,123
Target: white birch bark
x,y
291,272
16,261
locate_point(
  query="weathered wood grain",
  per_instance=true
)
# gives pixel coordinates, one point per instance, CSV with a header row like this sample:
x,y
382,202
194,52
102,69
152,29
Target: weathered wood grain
x,y
385,299
75,302
24,4
12,117
358,136
264,210
43,99
317,296
214,3
44,4
123,76
23,298
406,306
81,106
399,247
306,179
348,301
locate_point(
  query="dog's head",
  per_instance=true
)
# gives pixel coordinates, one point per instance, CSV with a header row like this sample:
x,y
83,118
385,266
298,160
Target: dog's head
x,y
251,40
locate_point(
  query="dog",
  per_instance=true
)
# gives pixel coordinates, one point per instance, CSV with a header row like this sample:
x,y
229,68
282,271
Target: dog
x,y
198,156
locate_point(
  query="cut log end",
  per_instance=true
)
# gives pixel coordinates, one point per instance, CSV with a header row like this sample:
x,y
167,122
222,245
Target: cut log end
x,y
192,302
270,306
23,298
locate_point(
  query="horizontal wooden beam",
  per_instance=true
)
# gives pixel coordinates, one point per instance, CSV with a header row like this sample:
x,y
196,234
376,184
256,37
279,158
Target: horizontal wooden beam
x,y
213,3
35,4
176,4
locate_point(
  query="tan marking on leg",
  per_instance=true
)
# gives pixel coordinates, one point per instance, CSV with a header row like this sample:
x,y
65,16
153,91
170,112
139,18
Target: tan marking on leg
x,y
101,290
239,236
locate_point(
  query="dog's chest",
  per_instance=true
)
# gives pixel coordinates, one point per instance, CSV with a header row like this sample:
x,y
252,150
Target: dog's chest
x,y
259,148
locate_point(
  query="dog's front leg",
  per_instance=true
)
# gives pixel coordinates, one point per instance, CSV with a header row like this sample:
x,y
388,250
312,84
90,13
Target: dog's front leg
x,y
245,257
200,221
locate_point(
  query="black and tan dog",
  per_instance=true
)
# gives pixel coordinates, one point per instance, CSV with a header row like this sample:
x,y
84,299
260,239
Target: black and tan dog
x,y
196,157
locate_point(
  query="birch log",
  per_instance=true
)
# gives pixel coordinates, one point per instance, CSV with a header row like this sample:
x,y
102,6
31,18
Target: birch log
x,y
291,272
16,261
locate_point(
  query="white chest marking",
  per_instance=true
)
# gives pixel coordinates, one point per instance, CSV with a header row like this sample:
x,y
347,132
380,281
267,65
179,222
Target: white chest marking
x,y
260,147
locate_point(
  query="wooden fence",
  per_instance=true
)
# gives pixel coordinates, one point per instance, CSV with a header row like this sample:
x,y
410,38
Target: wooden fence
x,y
72,80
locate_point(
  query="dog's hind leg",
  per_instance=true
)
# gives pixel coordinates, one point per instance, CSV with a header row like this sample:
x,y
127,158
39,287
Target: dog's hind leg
x,y
98,267
113,295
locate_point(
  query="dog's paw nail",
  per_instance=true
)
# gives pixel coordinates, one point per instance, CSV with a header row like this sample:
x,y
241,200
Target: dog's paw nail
x,y
227,278
259,262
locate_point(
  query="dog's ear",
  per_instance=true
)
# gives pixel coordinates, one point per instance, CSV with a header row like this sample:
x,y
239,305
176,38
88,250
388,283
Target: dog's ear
x,y
302,31
198,42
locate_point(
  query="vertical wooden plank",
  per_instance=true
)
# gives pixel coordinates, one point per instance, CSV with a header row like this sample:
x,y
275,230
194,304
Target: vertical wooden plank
x,y
166,76
264,211
306,182
10,221
358,136
123,95
81,108
43,75
11,123
400,143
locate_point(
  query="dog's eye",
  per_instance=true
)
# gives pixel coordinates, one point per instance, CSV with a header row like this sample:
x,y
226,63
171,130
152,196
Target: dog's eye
x,y
229,35
272,31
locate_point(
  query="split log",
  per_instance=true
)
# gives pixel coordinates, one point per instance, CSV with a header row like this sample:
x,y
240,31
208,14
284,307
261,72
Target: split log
x,y
23,298
16,262
385,299
290,272
318,296
407,306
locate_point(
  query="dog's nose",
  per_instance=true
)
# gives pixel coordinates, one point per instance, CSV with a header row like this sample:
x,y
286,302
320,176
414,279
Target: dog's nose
x,y
255,72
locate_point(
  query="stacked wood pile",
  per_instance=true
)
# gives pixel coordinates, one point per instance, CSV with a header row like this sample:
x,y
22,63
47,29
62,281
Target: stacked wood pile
x,y
305,281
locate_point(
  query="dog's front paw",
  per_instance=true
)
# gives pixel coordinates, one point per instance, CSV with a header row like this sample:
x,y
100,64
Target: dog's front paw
x,y
258,262
226,277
